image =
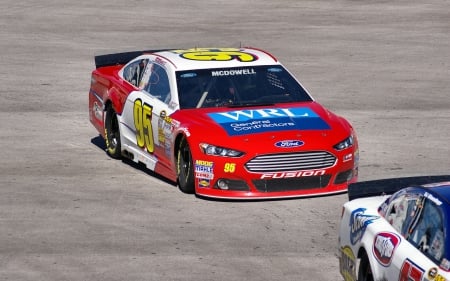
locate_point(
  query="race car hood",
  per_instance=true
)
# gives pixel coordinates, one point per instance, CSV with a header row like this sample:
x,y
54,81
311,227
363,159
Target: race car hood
x,y
301,124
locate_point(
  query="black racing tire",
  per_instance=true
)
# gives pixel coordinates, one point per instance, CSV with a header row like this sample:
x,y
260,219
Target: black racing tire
x,y
365,271
112,134
185,168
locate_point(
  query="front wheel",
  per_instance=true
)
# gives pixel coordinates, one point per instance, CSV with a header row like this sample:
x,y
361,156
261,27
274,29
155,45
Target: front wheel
x,y
185,168
365,271
112,133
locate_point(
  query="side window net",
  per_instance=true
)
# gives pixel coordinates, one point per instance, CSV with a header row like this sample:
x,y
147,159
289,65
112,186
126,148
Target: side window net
x,y
134,72
427,232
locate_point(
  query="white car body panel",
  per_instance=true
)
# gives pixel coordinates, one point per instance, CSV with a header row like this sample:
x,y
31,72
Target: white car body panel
x,y
390,255
128,136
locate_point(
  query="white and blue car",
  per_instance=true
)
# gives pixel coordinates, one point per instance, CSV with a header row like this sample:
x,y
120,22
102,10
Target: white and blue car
x,y
401,234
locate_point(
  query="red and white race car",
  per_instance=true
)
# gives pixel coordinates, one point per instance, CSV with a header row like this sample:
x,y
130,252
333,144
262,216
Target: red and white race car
x,y
396,229
221,122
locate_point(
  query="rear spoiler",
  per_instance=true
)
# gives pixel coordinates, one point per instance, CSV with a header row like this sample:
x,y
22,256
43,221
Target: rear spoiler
x,y
389,186
120,58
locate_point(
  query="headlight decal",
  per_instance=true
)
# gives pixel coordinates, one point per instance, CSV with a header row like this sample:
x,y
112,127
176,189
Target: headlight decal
x,y
210,149
348,142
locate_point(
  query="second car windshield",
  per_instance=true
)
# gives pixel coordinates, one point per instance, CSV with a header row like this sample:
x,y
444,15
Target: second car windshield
x,y
243,86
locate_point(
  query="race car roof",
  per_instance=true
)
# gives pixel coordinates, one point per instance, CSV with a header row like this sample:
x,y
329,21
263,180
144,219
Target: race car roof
x,y
441,188
205,58
195,58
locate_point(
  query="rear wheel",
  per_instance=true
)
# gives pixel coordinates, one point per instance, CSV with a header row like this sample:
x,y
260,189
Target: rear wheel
x,y
365,271
112,133
185,168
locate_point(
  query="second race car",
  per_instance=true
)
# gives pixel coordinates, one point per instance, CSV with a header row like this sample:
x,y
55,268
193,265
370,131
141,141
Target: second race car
x,y
221,122
402,233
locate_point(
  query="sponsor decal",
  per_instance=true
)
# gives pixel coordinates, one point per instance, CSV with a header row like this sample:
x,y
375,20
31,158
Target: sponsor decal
x,y
98,112
161,125
433,199
233,72
204,169
97,108
173,105
283,175
358,224
445,264
175,123
348,157
432,272
241,122
289,143
433,275
347,264
160,61
440,278
384,245
165,129
216,54
204,175
411,271
186,131
203,183
204,163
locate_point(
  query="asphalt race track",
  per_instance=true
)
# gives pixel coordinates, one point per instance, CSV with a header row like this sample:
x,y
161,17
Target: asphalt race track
x,y
69,212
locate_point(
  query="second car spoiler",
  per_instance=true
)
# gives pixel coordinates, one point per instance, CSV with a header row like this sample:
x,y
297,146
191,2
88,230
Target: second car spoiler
x,y
120,58
389,186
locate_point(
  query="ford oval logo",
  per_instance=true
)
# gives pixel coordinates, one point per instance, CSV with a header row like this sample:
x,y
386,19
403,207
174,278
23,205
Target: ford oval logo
x,y
289,143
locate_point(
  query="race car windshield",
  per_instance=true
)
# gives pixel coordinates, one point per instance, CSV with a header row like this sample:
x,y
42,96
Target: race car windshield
x,y
245,86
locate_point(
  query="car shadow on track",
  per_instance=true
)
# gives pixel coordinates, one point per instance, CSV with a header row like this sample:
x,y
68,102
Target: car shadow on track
x,y
100,143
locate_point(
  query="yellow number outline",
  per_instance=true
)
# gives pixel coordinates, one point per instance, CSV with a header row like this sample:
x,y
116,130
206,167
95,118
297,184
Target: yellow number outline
x,y
142,115
224,54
